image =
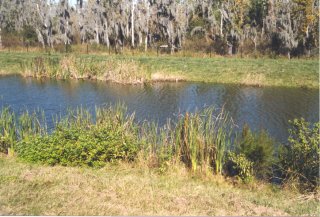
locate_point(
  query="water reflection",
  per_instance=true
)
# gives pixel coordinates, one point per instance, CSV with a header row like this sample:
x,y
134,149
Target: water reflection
x,y
268,108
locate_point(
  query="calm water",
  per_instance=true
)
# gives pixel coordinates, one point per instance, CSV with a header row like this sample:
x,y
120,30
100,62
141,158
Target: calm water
x,y
268,108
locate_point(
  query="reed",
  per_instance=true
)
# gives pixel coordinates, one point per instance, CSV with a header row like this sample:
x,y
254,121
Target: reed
x,y
14,129
8,134
199,140
32,124
107,69
203,138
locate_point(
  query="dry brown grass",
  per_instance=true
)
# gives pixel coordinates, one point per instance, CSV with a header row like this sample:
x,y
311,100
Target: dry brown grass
x,y
254,80
115,70
161,76
132,189
124,71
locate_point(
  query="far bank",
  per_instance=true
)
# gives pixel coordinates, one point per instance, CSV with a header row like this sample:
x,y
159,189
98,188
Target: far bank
x,y
150,68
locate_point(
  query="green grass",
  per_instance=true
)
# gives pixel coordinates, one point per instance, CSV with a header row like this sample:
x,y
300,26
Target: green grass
x,y
134,189
246,71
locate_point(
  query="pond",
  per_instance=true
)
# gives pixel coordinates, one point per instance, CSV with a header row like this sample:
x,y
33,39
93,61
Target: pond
x,y
267,108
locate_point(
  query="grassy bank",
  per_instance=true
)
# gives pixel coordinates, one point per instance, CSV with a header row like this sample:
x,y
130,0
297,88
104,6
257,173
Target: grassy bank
x,y
134,189
104,163
142,68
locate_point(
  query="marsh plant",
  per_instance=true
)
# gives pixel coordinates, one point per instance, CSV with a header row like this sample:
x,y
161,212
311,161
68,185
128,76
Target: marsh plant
x,y
203,141
8,132
14,129
69,66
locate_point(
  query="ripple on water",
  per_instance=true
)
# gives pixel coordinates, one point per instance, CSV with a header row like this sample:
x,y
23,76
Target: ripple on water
x,y
268,107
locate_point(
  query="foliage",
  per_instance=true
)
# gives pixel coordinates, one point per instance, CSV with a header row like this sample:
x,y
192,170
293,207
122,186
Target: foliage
x,y
200,140
77,141
238,165
147,24
29,35
77,147
299,159
257,148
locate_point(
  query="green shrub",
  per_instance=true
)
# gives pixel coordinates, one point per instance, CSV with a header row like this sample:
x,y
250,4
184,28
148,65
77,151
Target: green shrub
x,y
299,159
259,149
238,165
75,146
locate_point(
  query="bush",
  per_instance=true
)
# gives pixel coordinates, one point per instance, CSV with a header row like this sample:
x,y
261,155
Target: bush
x,y
299,159
238,165
93,146
259,149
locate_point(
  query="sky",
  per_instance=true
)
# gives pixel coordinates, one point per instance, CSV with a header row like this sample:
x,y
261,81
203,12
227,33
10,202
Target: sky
x,y
73,2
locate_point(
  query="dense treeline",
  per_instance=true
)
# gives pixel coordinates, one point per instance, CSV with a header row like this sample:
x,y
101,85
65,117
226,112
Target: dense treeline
x,y
289,27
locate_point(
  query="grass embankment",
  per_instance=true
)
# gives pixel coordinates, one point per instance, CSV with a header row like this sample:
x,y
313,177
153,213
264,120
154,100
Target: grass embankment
x,y
143,68
134,189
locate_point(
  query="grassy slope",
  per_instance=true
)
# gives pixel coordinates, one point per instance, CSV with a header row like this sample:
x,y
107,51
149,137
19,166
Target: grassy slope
x,y
135,190
268,72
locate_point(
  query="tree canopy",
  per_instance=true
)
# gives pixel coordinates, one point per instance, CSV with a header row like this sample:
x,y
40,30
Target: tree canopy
x,y
228,26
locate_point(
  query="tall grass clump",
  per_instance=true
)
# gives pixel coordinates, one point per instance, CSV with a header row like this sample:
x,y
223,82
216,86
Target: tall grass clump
x,y
14,129
158,144
202,138
8,132
32,124
109,69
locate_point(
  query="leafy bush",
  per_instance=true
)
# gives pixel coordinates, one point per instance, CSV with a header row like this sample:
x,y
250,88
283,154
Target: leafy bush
x,y
299,159
238,165
78,146
259,149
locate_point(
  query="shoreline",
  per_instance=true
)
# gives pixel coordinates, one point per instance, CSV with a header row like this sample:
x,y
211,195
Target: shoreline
x,y
138,70
163,80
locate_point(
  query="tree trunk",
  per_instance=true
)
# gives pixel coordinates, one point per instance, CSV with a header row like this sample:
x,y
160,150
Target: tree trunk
x,y
108,41
0,40
230,47
132,24
146,43
147,33
221,24
289,56
97,34
140,39
106,34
